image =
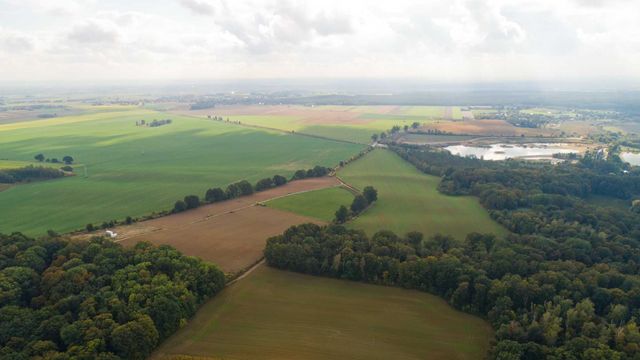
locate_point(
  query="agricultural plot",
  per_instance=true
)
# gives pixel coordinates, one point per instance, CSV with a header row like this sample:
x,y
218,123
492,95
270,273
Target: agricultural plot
x,y
134,170
232,234
409,200
348,123
319,204
273,314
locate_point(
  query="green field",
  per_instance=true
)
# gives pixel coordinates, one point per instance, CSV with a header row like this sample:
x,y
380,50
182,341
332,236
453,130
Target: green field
x,y
360,133
409,200
274,314
319,204
133,170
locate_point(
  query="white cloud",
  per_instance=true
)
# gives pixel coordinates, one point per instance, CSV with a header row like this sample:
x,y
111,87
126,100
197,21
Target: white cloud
x,y
457,40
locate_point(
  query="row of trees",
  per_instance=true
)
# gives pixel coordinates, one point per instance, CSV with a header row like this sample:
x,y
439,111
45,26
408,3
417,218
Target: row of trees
x,y
540,305
29,173
244,188
394,130
359,204
62,299
67,159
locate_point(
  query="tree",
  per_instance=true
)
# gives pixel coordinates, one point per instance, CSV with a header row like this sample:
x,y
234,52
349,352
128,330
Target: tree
x,y
370,193
191,201
67,160
359,203
128,220
279,180
299,174
415,125
135,339
39,157
90,227
214,195
374,137
264,184
245,187
406,128
179,206
342,215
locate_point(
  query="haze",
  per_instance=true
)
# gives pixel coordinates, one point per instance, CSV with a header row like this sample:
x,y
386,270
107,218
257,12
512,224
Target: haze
x,y
475,40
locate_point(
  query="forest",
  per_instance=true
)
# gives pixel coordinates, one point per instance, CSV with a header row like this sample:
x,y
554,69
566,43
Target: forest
x,y
63,299
562,285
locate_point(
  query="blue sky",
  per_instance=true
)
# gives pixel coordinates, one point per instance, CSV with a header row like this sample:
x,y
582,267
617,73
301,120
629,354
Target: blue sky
x,y
459,40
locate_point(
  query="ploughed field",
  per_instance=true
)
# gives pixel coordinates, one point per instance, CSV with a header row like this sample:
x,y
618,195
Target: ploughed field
x,y
130,170
409,200
232,234
274,314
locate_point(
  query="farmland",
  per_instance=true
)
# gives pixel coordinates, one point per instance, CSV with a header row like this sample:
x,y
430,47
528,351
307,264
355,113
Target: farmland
x,y
231,234
319,204
409,200
274,314
133,170
349,123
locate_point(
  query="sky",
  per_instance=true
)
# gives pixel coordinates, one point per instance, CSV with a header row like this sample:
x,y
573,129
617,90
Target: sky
x,y
443,41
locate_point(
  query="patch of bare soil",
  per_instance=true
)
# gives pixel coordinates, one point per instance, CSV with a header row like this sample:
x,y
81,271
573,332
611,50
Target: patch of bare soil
x,y
231,234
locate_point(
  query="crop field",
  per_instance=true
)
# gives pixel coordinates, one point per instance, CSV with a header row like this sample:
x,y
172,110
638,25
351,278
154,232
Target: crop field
x,y
232,234
349,123
319,204
273,314
134,170
409,200
486,127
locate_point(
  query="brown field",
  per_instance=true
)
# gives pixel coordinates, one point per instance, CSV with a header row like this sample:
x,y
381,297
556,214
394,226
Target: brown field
x,y
231,234
485,127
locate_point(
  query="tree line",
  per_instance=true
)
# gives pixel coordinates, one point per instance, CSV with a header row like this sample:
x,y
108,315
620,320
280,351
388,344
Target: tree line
x,y
63,299
359,204
29,173
244,188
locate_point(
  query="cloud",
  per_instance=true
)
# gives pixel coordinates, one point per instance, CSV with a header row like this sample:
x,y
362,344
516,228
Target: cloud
x,y
465,39
15,43
91,33
198,7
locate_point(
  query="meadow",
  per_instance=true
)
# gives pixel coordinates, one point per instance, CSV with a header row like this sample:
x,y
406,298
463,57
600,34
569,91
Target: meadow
x,y
409,200
274,314
319,204
131,170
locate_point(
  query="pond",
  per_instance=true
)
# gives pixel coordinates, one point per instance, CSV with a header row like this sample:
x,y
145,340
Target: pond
x,y
508,151
631,158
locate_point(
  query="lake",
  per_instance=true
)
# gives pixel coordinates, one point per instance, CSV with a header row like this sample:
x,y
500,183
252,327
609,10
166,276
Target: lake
x,y
631,158
508,151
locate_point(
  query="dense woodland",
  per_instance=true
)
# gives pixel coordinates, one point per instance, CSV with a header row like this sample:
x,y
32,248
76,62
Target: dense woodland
x,y
562,285
29,173
62,299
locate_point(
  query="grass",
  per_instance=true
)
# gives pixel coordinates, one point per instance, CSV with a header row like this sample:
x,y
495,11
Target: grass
x,y
273,314
319,204
409,200
133,170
